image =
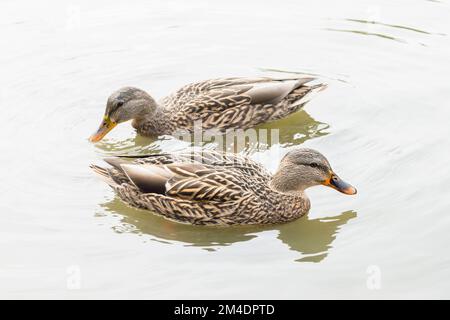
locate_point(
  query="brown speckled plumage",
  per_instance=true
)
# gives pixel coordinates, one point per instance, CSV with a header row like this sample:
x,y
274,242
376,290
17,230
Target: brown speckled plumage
x,y
203,188
217,104
232,103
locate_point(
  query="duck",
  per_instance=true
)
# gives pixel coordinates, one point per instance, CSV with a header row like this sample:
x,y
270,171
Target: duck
x,y
220,104
209,187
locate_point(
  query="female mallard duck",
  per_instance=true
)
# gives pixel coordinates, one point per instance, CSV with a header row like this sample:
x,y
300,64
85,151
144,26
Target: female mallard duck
x,y
212,188
221,104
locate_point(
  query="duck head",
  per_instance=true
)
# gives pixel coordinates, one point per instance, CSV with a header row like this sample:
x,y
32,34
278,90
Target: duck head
x,y
125,104
303,168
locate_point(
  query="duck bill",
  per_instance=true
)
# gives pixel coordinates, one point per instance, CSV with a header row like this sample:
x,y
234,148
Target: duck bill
x,y
340,185
106,126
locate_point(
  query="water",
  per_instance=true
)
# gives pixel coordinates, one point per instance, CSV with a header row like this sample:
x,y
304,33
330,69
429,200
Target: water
x,y
383,124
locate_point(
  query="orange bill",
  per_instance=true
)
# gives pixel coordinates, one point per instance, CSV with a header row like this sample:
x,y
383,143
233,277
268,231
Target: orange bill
x,y
106,126
340,185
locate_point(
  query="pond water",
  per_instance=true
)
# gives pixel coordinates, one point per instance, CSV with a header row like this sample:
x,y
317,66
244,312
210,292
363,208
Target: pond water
x,y
382,123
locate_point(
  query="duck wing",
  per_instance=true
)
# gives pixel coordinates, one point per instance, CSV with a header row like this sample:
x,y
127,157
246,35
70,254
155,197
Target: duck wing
x,y
193,182
208,157
234,102
196,175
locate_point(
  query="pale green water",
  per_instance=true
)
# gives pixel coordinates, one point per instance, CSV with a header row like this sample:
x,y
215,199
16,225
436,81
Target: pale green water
x,y
383,124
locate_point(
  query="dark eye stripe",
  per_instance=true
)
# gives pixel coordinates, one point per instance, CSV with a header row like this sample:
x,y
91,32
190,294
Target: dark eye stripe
x,y
316,165
115,106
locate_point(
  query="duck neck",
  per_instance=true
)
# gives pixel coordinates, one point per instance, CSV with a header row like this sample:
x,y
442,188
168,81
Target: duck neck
x,y
289,182
154,122
284,182
291,203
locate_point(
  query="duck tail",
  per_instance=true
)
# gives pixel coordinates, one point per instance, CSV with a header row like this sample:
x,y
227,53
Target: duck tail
x,y
103,174
307,92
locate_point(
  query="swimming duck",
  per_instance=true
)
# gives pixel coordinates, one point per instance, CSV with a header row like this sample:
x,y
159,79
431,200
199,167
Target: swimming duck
x,y
214,188
220,104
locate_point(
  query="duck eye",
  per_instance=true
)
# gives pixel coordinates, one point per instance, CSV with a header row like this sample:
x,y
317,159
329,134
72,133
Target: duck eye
x,y
119,104
314,165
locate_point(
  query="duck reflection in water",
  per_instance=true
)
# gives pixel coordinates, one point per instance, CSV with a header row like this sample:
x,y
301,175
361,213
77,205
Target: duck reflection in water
x,y
293,130
312,238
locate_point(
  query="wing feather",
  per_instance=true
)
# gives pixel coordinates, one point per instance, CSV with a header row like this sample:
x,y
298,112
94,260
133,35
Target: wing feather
x,y
223,103
194,182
